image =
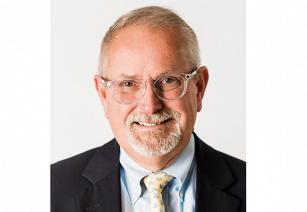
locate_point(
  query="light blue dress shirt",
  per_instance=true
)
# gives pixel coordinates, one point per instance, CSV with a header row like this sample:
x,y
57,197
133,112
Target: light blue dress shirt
x,y
178,194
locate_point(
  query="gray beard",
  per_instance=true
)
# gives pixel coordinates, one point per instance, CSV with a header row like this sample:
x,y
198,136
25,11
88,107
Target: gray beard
x,y
155,143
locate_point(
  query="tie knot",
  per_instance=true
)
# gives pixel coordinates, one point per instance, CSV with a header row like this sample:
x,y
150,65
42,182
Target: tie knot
x,y
156,181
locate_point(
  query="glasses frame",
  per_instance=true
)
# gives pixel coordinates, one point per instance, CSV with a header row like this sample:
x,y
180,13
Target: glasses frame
x,y
186,76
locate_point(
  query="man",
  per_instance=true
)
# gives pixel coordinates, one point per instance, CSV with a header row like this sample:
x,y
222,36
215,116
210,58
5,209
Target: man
x,y
151,86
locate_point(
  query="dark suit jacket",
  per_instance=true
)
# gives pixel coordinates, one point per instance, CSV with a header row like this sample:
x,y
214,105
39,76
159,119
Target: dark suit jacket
x,y
91,181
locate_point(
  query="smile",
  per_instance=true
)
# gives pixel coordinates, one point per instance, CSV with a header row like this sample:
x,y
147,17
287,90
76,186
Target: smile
x,y
147,124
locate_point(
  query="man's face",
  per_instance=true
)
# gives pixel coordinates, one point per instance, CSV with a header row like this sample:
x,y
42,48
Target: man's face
x,y
150,127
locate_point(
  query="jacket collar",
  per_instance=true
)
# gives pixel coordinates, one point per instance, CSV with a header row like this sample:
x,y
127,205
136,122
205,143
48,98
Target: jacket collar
x,y
104,161
102,171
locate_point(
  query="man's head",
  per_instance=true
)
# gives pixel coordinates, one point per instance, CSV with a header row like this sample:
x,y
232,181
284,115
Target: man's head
x,y
149,56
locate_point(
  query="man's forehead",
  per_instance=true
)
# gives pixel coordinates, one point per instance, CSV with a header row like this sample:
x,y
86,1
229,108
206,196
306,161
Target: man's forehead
x,y
143,50
142,29
146,37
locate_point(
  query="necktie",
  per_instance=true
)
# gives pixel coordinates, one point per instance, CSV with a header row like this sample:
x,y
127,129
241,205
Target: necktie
x,y
155,183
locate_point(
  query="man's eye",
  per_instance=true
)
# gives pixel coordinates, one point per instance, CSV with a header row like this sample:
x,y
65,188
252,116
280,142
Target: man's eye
x,y
168,80
127,83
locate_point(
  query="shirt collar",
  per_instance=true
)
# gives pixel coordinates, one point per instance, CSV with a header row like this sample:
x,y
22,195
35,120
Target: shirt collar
x,y
180,167
134,173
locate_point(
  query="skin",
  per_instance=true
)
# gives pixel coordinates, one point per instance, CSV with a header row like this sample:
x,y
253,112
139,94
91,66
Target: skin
x,y
146,52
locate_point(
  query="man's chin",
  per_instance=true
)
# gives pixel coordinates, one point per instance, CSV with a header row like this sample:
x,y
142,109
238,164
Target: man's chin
x,y
154,143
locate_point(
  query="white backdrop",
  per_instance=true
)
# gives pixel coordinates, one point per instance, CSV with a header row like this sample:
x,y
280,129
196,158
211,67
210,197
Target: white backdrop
x,y
77,27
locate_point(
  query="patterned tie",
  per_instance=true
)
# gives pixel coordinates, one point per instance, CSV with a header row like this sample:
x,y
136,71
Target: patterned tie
x,y
155,183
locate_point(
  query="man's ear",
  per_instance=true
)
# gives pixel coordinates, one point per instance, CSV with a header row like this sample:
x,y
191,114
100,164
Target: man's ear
x,y
101,90
201,84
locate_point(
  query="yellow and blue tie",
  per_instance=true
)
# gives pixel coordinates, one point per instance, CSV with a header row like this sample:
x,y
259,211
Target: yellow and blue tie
x,y
155,183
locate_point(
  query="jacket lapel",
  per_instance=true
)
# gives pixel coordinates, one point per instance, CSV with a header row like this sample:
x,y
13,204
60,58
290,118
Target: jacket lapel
x,y
103,173
213,180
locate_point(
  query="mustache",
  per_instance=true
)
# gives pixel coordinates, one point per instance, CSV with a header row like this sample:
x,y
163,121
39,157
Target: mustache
x,y
156,118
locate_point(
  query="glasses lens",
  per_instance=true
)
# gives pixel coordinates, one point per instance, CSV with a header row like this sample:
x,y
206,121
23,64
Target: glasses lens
x,y
169,87
127,91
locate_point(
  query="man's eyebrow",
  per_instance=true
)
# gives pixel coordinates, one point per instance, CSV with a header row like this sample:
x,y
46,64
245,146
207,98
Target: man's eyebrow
x,y
133,76
167,72
127,76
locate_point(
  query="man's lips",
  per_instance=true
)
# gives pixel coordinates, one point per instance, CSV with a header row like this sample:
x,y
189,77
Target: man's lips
x,y
147,125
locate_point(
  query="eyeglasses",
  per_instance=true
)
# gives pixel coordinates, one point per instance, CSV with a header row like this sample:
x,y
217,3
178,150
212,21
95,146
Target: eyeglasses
x,y
167,87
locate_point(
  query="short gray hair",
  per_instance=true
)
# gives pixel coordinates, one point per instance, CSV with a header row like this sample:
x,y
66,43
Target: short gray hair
x,y
157,17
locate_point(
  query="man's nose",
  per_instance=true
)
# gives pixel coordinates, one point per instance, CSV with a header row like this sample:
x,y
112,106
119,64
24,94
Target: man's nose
x,y
150,103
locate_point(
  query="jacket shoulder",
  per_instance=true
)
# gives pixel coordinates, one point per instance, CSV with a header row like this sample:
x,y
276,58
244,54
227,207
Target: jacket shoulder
x,y
223,171
73,164
237,166
67,174
70,187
